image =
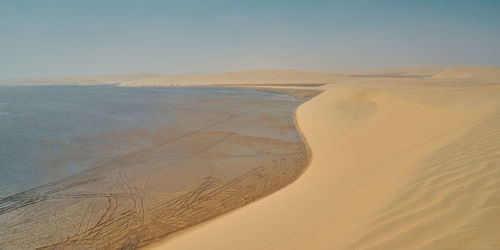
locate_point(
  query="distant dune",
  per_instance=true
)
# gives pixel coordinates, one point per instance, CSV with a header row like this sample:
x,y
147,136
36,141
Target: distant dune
x,y
471,73
402,72
241,77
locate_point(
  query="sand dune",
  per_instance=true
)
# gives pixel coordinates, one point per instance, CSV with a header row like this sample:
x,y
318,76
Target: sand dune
x,y
470,73
396,164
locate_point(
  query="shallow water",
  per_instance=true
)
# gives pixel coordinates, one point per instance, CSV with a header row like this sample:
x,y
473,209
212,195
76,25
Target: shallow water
x,y
108,166
41,128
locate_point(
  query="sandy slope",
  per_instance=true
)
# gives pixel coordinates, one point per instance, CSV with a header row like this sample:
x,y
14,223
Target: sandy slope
x,y
397,164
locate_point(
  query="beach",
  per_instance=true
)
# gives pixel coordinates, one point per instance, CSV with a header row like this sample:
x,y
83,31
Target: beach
x,y
392,159
109,167
397,163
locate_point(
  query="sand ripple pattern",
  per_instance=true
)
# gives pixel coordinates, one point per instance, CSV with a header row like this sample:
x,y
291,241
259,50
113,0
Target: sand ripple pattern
x,y
458,191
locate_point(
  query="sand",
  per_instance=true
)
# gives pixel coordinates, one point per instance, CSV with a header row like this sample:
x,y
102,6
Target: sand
x,y
401,159
397,163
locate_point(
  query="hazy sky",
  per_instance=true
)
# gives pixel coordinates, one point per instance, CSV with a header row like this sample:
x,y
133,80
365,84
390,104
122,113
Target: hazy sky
x,y
69,37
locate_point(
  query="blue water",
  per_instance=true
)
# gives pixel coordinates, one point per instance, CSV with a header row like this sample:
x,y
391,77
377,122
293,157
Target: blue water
x,y
42,129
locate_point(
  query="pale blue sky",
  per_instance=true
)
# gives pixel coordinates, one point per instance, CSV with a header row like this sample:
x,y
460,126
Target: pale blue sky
x,y
69,37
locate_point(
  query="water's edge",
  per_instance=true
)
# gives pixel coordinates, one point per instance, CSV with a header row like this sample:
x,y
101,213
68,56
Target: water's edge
x,y
133,215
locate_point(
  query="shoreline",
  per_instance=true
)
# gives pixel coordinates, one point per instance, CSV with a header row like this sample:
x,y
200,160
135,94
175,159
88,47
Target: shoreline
x,y
159,244
300,93
352,215
261,129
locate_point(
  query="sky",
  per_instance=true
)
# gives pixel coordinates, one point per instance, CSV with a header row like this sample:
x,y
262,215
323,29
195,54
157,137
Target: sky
x,y
70,37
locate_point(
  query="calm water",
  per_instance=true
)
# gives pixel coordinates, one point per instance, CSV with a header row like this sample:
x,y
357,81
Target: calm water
x,y
51,132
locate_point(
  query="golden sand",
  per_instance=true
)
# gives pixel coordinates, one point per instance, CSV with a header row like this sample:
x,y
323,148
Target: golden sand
x,y
397,163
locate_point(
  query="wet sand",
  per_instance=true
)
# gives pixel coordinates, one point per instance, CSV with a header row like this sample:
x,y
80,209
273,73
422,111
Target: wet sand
x,y
213,163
